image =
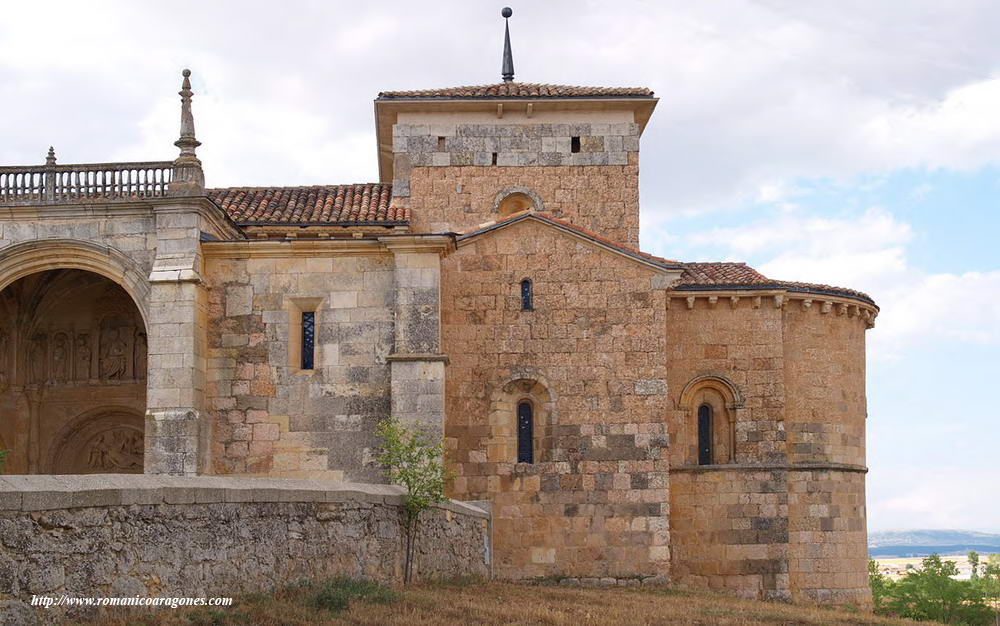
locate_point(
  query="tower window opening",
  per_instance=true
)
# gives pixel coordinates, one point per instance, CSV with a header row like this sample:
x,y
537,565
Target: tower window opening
x,y
574,144
527,295
441,147
494,158
308,339
705,451
525,433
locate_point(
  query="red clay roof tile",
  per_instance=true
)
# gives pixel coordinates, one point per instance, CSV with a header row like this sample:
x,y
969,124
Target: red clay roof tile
x,y
736,275
326,204
519,90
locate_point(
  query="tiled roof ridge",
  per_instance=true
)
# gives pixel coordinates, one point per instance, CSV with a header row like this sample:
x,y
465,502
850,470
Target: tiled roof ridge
x,y
356,203
519,90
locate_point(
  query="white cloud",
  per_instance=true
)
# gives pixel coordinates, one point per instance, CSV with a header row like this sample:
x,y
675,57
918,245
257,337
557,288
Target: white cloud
x,y
915,495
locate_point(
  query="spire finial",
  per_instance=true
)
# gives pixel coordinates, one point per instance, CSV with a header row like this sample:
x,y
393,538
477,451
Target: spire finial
x,y
187,142
507,70
188,178
51,158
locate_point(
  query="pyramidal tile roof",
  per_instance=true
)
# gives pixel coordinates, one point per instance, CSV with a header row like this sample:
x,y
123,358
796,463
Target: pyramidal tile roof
x,y
518,90
369,203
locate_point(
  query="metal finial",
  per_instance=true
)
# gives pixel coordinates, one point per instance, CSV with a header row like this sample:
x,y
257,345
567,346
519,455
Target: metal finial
x,y
51,158
507,70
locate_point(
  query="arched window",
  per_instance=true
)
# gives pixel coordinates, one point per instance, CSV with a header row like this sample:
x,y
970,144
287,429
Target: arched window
x,y
525,433
527,295
705,435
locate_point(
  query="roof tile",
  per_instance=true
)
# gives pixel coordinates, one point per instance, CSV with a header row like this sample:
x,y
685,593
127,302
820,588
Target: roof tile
x,y
742,275
326,204
519,90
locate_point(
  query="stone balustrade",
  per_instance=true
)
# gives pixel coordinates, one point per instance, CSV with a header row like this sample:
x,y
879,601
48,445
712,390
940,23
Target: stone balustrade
x,y
58,184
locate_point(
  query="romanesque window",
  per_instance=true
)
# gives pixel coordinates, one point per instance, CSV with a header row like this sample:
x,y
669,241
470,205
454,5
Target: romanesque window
x,y
705,446
525,432
574,144
705,428
516,199
527,295
308,339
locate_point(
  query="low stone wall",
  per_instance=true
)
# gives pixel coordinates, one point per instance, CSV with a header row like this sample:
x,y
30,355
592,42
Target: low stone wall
x,y
119,535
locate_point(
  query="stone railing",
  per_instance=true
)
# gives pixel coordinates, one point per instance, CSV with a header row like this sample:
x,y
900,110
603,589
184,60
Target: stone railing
x,y
121,535
54,184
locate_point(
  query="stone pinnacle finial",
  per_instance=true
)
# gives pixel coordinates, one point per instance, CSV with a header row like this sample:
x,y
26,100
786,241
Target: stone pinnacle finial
x,y
507,69
188,178
51,158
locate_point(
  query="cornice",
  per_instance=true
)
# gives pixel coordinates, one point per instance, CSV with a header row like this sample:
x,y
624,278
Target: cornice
x,y
779,298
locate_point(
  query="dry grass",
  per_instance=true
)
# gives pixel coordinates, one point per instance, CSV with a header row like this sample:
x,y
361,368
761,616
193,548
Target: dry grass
x,y
502,603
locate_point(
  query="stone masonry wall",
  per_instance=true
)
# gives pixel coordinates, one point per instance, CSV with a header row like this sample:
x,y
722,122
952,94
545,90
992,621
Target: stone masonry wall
x,y
448,176
271,417
591,359
785,518
117,536
825,418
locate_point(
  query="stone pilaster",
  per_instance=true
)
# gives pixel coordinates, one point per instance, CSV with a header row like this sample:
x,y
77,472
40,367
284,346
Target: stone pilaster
x,y
177,430
417,367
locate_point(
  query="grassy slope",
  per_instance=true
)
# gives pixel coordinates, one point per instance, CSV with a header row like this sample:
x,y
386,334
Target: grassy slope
x,y
504,603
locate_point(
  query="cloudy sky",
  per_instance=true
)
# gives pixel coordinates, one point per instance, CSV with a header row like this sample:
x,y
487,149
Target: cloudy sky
x,y
848,142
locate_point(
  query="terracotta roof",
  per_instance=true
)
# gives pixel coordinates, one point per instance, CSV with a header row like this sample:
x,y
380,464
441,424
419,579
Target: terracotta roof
x,y
698,276
326,204
519,90
548,218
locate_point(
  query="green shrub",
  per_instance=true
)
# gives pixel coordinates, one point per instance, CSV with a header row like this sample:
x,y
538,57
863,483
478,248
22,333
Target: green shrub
x,y
931,594
335,595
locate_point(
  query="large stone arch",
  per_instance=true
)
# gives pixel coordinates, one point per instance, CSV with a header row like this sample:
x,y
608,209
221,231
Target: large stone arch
x,y
30,257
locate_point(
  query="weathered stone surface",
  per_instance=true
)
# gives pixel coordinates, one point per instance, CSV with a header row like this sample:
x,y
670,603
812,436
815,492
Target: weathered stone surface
x,y
211,546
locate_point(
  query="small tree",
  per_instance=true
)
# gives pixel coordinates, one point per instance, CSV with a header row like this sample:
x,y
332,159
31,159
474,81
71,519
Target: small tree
x,y
881,586
932,594
414,461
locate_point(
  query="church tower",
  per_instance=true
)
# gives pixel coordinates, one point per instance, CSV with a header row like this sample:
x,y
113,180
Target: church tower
x,y
464,156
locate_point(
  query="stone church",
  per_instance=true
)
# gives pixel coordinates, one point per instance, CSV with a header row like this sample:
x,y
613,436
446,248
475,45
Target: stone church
x,y
629,417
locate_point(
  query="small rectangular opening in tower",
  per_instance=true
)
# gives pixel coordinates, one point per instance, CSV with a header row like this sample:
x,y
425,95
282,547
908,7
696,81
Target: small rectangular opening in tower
x,y
574,144
441,144
494,159
308,339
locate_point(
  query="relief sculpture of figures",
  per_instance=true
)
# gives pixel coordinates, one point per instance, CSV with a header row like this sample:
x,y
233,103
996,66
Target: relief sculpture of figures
x,y
60,357
113,356
36,359
140,350
83,357
116,450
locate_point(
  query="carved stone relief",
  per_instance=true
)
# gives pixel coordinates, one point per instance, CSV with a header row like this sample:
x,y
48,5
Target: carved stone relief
x,y
82,357
37,358
110,442
60,357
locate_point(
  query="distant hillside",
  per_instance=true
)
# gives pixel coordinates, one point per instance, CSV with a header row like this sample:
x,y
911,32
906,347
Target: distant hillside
x,y
902,543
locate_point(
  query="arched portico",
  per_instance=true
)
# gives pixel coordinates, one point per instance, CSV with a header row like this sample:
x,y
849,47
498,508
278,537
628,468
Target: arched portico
x,y
73,370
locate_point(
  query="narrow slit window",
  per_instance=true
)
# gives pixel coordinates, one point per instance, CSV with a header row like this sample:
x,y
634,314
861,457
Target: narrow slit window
x,y
705,451
441,144
525,433
494,158
308,339
527,295
574,144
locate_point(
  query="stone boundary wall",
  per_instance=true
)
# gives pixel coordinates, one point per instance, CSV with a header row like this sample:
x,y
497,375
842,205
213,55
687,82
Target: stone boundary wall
x,y
107,535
